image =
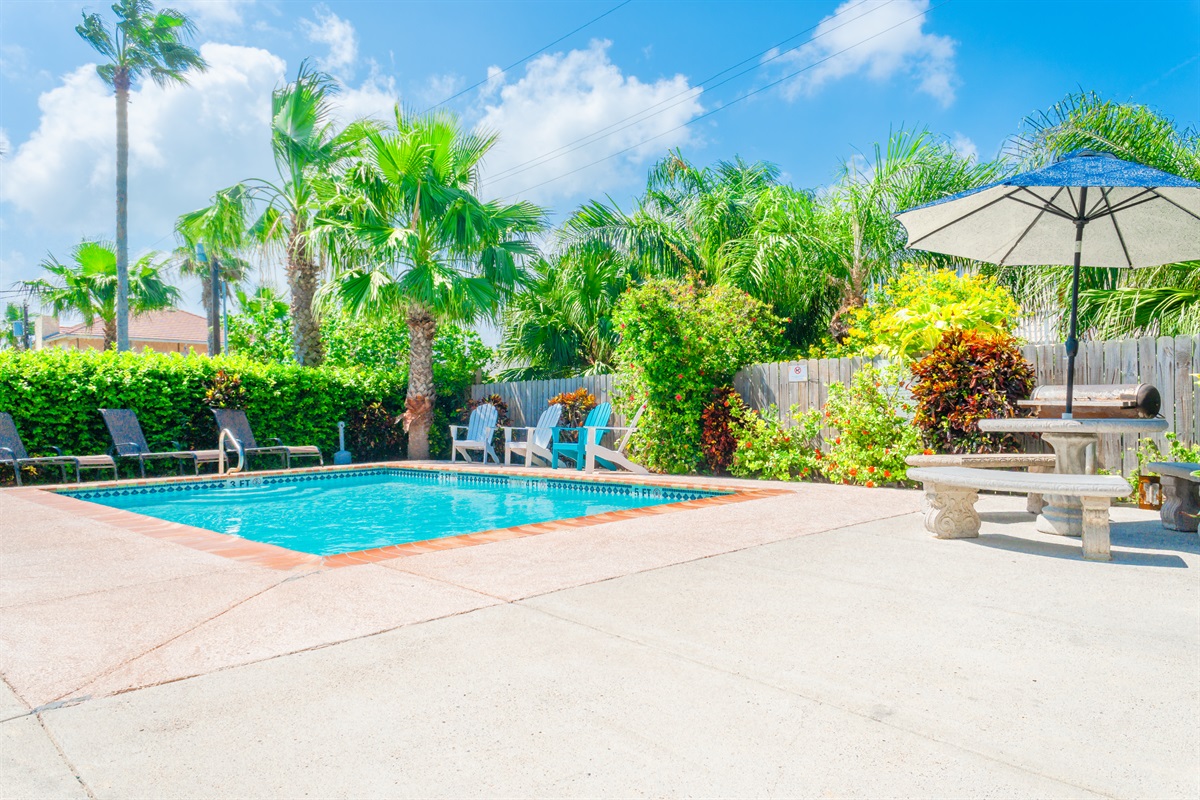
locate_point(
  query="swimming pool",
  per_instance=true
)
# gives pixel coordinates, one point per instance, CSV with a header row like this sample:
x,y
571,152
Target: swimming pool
x,y
330,512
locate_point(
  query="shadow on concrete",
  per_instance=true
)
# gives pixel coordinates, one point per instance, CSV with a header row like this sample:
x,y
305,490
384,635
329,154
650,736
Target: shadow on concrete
x,y
1071,549
1153,536
1007,517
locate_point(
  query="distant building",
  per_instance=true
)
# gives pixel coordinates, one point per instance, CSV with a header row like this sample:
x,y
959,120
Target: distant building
x,y
162,331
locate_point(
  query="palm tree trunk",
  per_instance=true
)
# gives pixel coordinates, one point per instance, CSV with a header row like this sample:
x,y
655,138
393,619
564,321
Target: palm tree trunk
x,y
419,414
303,273
110,333
121,83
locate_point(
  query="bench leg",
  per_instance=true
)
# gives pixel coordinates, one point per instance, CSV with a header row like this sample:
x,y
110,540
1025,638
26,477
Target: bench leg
x,y
1034,503
1095,529
950,511
1181,504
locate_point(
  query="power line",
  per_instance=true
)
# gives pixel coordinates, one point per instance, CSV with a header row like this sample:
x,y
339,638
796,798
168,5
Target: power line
x,y
694,120
690,93
531,55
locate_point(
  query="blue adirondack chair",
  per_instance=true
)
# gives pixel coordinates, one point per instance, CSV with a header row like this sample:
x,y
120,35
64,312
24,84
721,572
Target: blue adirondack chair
x,y
576,451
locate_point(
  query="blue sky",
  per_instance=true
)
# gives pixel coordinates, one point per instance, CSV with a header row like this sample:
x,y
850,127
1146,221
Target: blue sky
x,y
966,69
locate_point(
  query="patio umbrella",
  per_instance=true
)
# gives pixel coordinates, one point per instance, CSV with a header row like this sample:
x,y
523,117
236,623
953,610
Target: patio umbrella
x,y
1088,209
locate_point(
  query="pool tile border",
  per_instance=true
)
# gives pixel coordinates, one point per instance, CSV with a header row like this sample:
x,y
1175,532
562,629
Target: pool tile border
x,y
280,558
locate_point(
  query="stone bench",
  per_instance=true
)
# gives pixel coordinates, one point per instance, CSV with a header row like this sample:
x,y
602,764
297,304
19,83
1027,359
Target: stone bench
x,y
1181,494
951,493
1033,462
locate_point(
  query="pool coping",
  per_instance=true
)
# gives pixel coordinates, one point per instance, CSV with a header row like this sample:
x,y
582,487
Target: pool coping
x,y
282,558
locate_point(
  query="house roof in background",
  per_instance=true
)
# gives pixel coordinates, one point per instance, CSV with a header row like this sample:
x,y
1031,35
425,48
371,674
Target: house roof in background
x,y
156,326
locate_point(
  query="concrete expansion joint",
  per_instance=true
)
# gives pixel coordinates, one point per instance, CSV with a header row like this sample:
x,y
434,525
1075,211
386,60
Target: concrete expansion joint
x,y
873,716
67,761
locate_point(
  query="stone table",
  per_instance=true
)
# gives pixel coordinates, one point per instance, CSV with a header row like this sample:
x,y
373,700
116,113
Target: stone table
x,y
1071,440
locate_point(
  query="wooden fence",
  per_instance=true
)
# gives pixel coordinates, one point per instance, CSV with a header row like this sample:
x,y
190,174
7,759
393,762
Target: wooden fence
x,y
1165,362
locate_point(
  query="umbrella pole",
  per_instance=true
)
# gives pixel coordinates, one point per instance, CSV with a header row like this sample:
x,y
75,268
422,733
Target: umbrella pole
x,y
1072,341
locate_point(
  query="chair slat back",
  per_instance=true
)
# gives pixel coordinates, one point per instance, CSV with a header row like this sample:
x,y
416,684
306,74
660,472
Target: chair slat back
x,y
632,426
548,419
482,423
10,438
237,424
598,417
125,430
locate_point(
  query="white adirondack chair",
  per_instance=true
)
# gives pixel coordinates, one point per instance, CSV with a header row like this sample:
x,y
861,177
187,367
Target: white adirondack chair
x,y
611,458
537,439
480,428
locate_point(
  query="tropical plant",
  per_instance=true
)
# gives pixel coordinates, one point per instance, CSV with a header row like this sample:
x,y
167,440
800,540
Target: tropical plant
x,y
215,237
766,449
967,377
87,286
860,242
575,406
310,152
678,343
412,238
874,431
919,305
142,43
1113,303
261,329
560,323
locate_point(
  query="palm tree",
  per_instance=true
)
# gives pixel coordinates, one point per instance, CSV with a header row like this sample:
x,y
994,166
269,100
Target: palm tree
x,y
860,242
309,153
410,236
143,42
88,286
214,236
1113,303
560,324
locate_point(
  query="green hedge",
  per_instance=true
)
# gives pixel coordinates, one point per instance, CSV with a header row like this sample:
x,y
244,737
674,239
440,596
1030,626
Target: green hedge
x,y
54,396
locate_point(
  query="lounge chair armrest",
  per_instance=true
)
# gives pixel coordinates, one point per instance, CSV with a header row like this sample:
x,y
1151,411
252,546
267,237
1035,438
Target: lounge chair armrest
x,y
454,429
508,432
278,442
58,451
6,452
137,448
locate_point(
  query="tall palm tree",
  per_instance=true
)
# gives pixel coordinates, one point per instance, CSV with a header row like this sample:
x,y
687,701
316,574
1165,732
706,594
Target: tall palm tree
x,y
310,152
214,237
410,236
88,286
143,42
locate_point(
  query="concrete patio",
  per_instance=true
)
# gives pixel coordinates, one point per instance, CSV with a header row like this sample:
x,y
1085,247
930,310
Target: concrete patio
x,y
817,643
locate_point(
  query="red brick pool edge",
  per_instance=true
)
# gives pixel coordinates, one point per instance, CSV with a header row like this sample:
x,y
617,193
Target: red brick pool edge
x,y
281,558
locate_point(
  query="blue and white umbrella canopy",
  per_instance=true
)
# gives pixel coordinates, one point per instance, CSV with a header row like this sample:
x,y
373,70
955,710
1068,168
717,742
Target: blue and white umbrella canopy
x,y
1087,209
1133,215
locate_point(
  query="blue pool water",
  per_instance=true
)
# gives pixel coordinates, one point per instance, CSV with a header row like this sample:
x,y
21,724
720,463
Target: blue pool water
x,y
325,513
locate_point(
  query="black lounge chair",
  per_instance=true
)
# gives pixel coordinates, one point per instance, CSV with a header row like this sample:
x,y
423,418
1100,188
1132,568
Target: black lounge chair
x,y
235,422
12,451
129,442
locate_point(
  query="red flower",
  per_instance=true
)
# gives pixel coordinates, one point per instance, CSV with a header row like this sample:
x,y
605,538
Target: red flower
x,y
818,454
928,452
679,397
887,473
853,472
838,440
870,484
871,470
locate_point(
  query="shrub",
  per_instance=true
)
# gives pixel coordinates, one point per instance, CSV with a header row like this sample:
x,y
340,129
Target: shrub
x,y
374,432
54,395
873,429
717,438
678,343
970,376
226,391
575,406
919,305
766,449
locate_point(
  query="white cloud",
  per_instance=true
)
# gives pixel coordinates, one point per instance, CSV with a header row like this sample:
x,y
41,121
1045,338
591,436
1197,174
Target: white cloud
x,y
5,144
565,97
185,142
225,13
330,29
963,145
375,98
881,39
